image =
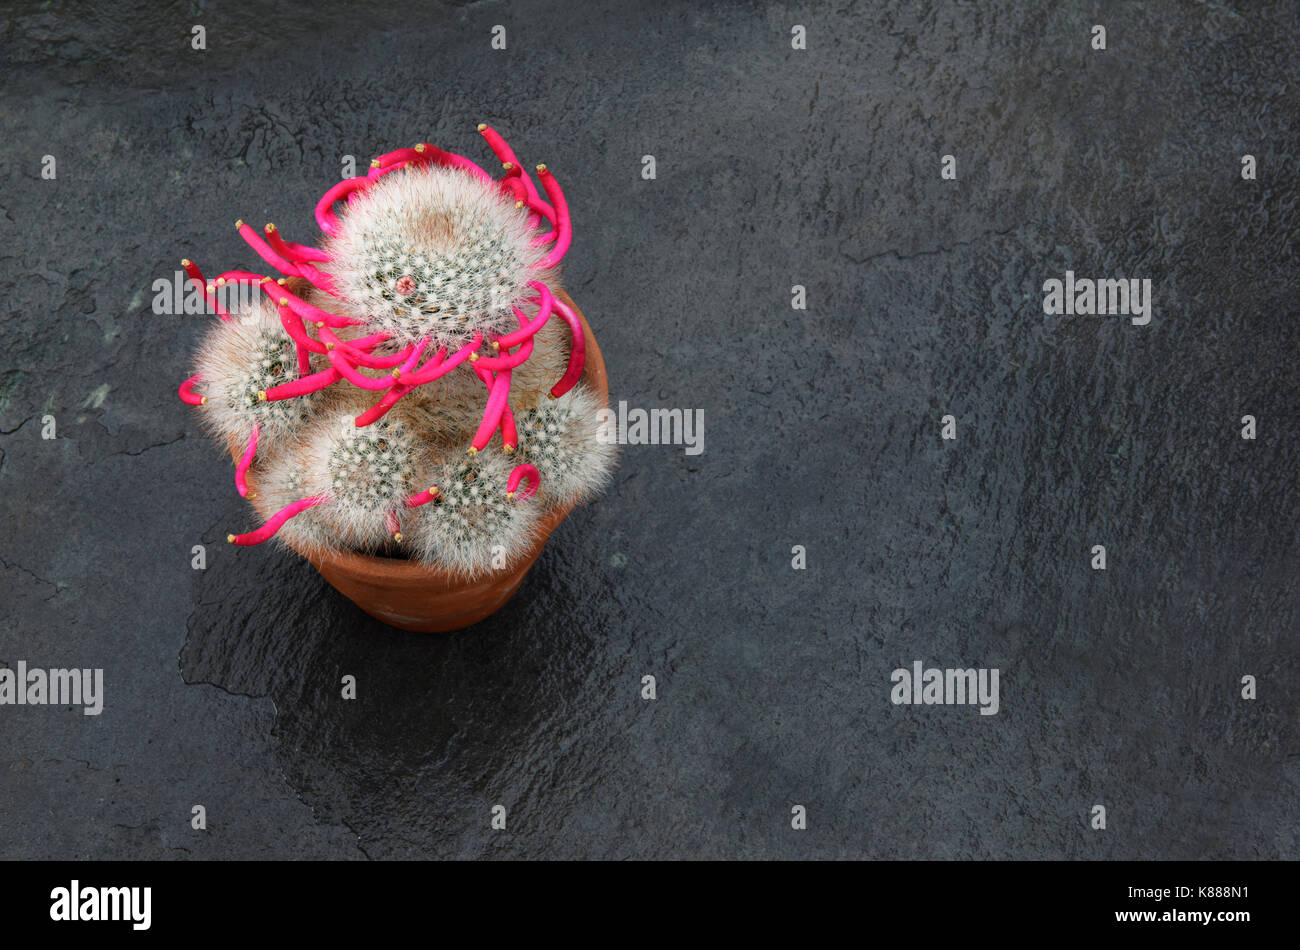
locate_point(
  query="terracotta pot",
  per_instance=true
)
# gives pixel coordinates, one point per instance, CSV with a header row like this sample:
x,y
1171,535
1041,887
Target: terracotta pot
x,y
414,596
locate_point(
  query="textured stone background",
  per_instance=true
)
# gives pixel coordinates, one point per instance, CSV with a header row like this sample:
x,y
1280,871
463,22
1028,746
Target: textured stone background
x,y
775,167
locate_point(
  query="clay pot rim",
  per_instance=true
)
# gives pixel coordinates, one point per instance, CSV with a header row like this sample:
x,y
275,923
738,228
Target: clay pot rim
x,y
410,571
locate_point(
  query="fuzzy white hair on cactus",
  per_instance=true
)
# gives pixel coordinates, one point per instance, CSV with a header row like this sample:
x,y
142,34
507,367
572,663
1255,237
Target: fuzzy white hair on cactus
x,y
561,439
435,252
281,484
365,474
473,527
241,358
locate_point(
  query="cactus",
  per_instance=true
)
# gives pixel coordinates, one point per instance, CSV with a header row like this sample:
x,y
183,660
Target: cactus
x,y
363,390
475,517
560,438
433,254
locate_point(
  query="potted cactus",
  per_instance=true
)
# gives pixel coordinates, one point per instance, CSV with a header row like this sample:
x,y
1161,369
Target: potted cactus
x,y
414,404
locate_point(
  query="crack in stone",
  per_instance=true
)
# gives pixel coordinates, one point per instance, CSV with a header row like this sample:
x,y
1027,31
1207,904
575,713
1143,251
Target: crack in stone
x,y
156,445
929,253
225,689
58,587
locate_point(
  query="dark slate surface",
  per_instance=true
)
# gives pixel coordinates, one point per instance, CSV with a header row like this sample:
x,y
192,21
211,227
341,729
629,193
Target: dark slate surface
x,y
775,167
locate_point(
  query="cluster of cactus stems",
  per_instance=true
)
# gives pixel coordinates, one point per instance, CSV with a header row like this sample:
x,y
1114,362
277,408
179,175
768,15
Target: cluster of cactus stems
x,y
368,381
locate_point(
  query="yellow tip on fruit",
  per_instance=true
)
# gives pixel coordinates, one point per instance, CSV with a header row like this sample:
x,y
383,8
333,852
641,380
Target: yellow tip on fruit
x,y
261,395
239,224
203,400
541,169
185,262
473,451
282,281
419,149
510,449
397,536
482,127
230,539
374,163
270,228
473,357
507,165
510,495
519,204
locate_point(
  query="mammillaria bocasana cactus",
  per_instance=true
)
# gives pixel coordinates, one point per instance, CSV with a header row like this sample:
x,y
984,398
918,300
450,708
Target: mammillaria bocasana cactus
x,y
368,382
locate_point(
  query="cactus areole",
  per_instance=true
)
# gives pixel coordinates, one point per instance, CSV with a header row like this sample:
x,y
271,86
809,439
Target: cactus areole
x,y
411,385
